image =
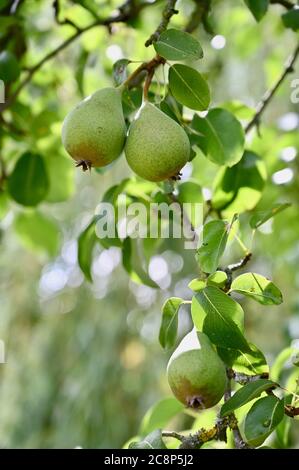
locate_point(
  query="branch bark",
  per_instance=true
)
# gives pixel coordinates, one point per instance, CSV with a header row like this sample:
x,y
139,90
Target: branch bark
x,y
289,68
127,11
167,14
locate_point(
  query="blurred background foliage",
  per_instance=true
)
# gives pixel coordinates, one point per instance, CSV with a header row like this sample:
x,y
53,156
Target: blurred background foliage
x,y
83,359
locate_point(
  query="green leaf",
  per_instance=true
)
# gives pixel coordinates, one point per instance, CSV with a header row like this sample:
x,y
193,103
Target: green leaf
x,y
240,188
61,172
249,363
258,288
197,284
259,218
4,204
131,100
175,44
169,324
159,415
263,417
80,68
110,197
37,232
168,109
221,136
152,441
290,19
120,71
230,305
189,87
258,8
283,430
245,394
86,243
190,194
29,184
215,235
217,279
134,262
279,363
220,317
9,67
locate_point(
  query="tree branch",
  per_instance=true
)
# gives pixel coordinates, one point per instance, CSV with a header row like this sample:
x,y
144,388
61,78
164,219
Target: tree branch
x,y
271,92
239,443
240,264
128,11
56,6
168,12
199,14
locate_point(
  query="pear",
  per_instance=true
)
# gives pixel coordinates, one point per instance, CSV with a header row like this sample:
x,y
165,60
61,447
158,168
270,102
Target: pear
x,y
196,374
94,132
157,147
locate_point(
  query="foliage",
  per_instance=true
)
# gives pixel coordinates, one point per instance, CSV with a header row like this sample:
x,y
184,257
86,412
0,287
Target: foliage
x,y
242,170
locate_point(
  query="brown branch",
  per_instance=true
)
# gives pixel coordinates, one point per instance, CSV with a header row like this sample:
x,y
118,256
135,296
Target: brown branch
x,y
124,15
148,67
168,12
147,83
291,411
289,68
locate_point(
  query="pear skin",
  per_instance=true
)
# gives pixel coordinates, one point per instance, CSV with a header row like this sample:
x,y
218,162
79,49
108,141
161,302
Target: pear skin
x,y
196,374
94,132
157,147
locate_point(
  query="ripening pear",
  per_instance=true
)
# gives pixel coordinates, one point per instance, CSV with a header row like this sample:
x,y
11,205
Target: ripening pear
x,y
157,147
94,132
196,374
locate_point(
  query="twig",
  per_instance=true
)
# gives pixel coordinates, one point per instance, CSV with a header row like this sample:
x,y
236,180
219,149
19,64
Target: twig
x,y
239,443
234,267
240,264
66,21
124,15
271,92
173,434
147,83
291,411
199,14
168,12
244,379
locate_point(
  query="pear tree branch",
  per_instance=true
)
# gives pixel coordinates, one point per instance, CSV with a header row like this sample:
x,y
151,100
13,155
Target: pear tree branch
x,y
168,12
202,436
200,15
289,68
127,11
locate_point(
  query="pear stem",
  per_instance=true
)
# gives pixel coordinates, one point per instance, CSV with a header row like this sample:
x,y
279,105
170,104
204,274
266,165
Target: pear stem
x,y
145,66
147,83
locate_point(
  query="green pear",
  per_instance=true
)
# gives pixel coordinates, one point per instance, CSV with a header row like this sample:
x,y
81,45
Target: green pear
x,y
157,147
94,132
196,374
